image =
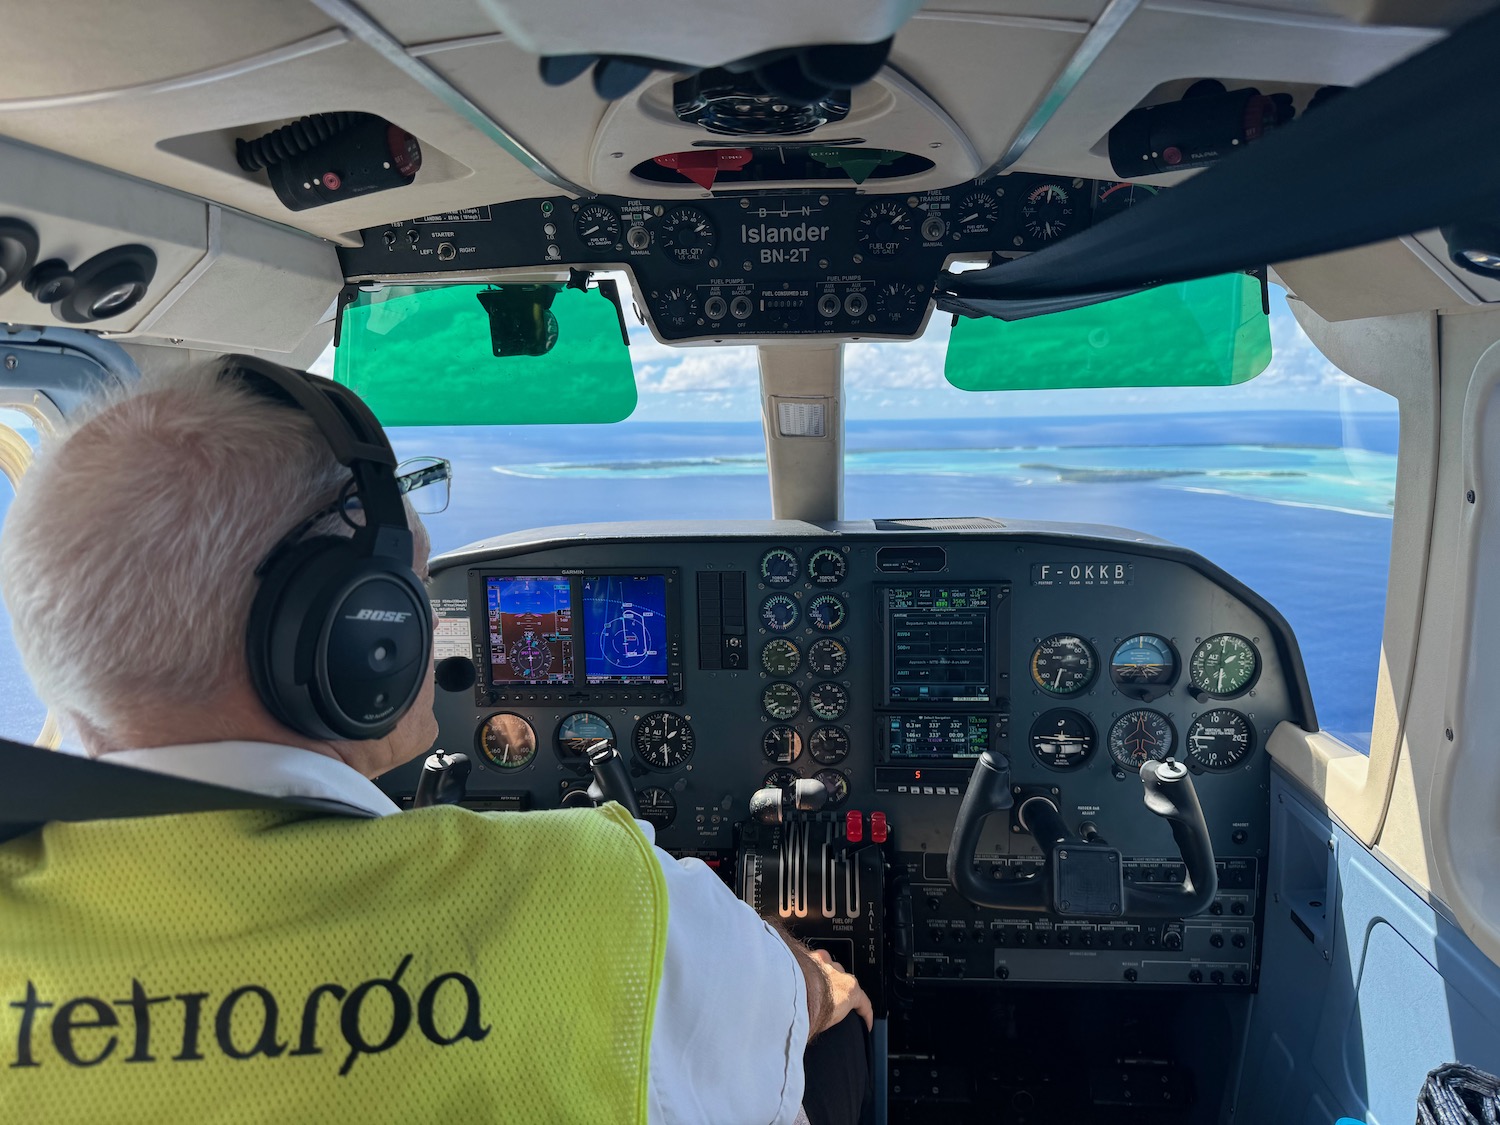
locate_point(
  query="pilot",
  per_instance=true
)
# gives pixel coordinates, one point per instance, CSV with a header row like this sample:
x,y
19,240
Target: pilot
x,y
269,964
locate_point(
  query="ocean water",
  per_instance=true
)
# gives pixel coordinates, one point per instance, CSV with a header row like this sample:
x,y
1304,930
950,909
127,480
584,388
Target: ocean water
x,y
1296,505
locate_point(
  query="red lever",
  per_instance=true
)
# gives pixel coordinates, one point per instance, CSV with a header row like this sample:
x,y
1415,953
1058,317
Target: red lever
x,y
703,165
854,826
879,830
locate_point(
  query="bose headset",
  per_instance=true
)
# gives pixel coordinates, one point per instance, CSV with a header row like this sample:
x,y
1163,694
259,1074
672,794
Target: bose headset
x,y
340,631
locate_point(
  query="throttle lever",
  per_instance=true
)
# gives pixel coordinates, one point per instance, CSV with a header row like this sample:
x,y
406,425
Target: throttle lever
x,y
611,782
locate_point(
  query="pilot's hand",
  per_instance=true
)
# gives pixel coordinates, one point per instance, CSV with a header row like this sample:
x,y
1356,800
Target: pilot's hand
x,y
844,991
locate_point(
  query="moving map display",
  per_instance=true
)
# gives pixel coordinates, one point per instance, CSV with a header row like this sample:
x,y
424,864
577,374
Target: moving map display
x,y
625,628
530,629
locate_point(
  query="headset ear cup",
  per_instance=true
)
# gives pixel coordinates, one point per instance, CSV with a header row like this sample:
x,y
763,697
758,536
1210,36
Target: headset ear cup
x,y
338,644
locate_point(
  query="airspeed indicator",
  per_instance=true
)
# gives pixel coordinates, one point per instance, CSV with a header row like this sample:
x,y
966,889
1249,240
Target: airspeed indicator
x,y
1063,664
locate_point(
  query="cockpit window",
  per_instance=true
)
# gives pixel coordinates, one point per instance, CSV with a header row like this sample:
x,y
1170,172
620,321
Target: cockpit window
x,y
21,712
1286,481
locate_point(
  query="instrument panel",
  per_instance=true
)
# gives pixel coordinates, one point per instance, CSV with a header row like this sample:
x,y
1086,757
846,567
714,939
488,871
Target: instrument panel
x,y
728,658
841,263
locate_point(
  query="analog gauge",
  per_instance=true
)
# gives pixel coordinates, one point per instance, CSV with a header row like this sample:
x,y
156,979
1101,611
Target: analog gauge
x,y
781,778
1137,736
779,613
828,657
1062,739
978,213
578,732
895,301
884,228
1115,198
597,227
826,567
1143,662
1047,212
828,701
836,784
826,612
657,806
688,236
828,746
664,740
1220,740
780,657
1063,664
679,306
782,745
507,741
779,567
1224,666
781,700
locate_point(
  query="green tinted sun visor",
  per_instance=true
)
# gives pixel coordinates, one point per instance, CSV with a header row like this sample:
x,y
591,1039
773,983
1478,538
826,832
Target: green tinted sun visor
x,y
1207,333
481,355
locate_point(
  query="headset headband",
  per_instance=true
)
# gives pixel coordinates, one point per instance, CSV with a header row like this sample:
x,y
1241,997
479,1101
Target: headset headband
x,y
356,439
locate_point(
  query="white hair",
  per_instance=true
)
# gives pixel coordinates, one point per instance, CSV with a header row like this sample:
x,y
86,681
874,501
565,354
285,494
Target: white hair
x,y
128,558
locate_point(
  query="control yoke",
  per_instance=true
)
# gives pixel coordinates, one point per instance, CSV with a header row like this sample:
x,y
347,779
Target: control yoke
x,y
611,782
1083,877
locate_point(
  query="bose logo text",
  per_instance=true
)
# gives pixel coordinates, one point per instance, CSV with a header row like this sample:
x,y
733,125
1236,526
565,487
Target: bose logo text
x,y
378,615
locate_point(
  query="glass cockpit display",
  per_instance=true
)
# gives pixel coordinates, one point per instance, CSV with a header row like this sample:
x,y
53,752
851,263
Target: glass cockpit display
x,y
530,629
625,628
938,644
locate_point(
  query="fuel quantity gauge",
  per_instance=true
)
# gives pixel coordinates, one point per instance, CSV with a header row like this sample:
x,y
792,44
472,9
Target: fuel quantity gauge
x,y
597,227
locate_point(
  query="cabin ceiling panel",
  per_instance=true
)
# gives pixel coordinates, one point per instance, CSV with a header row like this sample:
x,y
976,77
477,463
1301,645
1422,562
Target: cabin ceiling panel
x,y
103,44
431,21
1165,41
1378,280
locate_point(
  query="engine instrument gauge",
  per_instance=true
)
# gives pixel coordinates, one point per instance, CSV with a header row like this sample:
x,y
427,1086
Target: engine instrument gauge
x,y
884,228
1047,212
836,784
828,701
657,805
978,212
780,657
1224,666
894,302
826,567
1144,666
597,227
507,741
679,306
1062,739
781,778
1115,198
1138,736
1063,664
688,235
782,745
826,612
779,613
1220,739
781,700
779,567
664,740
828,746
577,732
828,657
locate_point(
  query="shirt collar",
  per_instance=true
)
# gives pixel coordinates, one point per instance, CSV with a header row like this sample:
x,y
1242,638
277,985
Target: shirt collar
x,y
262,767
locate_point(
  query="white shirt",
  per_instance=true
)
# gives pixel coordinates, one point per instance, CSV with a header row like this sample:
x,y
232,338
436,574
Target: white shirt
x,y
731,1011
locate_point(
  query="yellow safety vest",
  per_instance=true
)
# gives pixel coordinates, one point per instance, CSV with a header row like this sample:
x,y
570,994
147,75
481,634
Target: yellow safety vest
x,y
439,965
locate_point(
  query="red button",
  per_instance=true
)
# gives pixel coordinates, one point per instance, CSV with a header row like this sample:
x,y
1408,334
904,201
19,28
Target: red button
x,y
878,828
331,181
854,826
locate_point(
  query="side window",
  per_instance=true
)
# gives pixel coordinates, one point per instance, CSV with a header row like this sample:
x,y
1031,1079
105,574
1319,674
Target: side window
x,y
21,714
1287,481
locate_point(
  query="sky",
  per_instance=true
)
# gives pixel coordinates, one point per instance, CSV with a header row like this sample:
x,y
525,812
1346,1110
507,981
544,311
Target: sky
x,y
905,380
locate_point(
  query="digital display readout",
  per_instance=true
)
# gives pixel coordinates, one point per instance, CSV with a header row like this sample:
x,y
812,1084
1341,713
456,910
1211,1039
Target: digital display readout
x,y
530,629
625,628
927,737
938,640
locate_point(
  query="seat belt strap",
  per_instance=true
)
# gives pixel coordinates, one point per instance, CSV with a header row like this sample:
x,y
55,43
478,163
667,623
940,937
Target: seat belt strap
x,y
38,786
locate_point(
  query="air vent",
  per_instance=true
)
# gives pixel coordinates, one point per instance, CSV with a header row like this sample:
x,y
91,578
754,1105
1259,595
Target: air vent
x,y
962,523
